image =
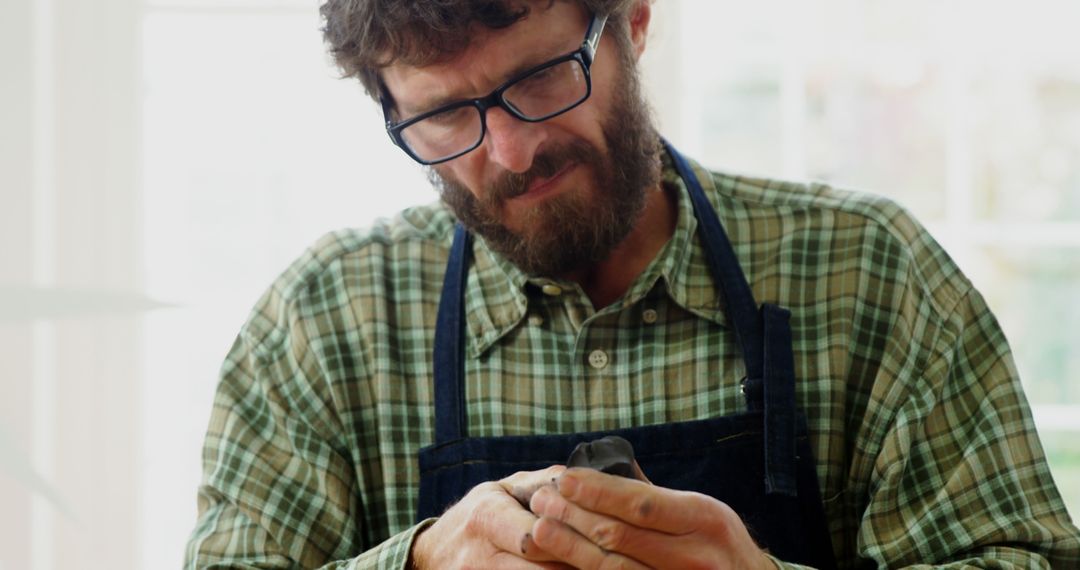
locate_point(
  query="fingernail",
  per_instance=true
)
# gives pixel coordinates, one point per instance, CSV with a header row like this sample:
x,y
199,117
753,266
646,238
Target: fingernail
x,y
525,541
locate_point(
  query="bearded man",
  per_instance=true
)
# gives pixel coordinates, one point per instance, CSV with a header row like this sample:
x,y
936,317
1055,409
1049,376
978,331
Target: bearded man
x,y
805,376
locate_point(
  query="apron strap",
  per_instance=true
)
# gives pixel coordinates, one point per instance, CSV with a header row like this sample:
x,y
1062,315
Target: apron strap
x,y
739,300
779,385
449,354
766,353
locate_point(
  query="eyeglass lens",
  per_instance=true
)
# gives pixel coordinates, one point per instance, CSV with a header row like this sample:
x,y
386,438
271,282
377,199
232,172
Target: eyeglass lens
x,y
540,95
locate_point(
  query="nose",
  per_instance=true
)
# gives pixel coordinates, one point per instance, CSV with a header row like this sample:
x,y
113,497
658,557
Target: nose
x,y
512,143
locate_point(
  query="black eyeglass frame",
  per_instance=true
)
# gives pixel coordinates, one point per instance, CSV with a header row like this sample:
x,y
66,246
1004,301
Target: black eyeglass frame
x,y
584,55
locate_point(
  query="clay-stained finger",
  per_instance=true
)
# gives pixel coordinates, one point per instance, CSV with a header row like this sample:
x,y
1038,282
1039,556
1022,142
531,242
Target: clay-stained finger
x,y
652,548
567,545
636,502
523,484
508,527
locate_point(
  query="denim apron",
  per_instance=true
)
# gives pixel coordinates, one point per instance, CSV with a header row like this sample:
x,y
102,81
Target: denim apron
x,y
758,462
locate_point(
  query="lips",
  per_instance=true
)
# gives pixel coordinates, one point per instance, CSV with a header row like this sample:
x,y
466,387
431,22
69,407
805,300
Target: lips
x,y
548,171
542,186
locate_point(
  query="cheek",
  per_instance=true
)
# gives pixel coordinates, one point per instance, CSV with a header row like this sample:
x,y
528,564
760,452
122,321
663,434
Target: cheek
x,y
607,79
458,172
587,121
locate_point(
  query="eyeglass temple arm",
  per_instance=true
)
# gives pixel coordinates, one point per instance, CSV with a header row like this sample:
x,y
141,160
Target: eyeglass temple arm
x,y
592,37
387,103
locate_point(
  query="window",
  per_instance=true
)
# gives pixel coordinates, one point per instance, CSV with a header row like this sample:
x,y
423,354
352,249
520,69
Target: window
x,y
967,113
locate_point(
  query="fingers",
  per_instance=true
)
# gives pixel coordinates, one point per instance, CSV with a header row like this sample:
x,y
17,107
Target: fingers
x,y
635,502
576,550
488,528
610,535
597,520
592,516
592,540
507,525
515,535
523,484
533,478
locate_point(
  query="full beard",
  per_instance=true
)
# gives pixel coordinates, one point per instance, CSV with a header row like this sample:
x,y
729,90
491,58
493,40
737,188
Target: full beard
x,y
575,229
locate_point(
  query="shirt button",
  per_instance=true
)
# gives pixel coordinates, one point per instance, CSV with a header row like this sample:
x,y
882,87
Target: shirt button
x,y
598,359
536,320
551,290
649,316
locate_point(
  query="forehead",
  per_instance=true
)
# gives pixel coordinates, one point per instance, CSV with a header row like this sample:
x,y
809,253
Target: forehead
x,y
493,56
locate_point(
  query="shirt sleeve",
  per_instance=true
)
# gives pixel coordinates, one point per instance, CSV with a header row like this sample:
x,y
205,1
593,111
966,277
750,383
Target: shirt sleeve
x,y
279,486
954,469
225,538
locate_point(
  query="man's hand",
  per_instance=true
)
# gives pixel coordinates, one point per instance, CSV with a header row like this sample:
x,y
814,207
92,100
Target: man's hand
x,y
595,520
488,528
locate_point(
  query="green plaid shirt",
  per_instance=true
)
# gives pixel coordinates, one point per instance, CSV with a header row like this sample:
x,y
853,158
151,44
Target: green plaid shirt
x,y
926,450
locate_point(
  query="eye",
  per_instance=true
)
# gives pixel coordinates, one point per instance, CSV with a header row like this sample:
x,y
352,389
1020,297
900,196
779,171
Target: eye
x,y
451,117
546,75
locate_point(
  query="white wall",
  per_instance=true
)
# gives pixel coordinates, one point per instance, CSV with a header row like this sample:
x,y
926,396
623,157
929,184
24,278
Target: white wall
x,y
184,151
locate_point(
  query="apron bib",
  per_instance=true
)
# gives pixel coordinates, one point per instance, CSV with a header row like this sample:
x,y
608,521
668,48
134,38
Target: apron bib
x,y
758,462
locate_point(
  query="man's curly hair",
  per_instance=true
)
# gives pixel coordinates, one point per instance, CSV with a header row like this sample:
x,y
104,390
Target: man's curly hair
x,y
366,35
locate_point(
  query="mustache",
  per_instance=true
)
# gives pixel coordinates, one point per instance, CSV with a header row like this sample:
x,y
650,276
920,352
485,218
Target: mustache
x,y
511,184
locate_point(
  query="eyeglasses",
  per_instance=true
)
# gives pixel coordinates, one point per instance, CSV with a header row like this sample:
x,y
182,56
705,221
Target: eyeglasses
x,y
545,91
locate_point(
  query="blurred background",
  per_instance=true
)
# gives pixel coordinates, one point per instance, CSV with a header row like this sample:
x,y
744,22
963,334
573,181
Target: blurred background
x,y
161,161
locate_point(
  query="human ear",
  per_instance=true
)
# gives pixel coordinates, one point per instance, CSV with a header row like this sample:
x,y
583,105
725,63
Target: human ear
x,y
640,15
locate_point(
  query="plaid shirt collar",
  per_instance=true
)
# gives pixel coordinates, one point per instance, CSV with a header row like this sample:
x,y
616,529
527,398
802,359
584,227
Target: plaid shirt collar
x,y
503,308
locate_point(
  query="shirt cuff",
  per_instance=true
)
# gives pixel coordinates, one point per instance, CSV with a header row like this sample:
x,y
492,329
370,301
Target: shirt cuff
x,y
392,553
